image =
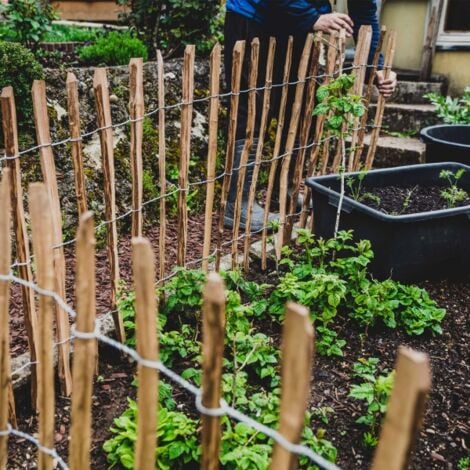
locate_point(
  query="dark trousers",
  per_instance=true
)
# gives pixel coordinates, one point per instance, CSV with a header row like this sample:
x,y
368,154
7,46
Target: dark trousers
x,y
238,28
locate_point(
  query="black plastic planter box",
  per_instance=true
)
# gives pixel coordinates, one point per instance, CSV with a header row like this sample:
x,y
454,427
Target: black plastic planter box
x,y
412,247
447,143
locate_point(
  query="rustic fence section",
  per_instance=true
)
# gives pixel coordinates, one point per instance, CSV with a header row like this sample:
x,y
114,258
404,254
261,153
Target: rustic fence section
x,y
300,123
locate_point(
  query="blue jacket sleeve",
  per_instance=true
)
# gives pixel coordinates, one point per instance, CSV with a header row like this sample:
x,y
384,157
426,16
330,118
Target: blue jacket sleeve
x,y
301,14
365,12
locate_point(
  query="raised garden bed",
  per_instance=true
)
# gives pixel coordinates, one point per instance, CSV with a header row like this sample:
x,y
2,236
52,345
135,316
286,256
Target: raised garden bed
x,y
430,242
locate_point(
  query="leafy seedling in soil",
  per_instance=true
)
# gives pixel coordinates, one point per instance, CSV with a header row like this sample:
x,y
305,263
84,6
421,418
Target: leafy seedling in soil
x,y
375,390
453,194
357,192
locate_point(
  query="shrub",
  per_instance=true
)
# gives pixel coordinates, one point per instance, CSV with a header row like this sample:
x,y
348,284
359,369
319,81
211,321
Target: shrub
x,y
115,48
171,24
29,20
452,110
19,68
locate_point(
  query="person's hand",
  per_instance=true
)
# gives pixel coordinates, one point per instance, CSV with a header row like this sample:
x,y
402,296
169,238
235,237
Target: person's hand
x,y
386,86
334,22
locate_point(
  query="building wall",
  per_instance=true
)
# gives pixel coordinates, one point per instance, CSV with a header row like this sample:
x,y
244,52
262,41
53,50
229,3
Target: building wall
x,y
409,19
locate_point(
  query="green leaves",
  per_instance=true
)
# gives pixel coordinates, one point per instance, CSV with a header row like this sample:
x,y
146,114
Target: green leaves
x,y
453,194
452,110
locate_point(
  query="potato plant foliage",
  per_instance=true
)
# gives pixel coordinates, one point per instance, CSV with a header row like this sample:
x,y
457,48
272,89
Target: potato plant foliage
x,y
328,276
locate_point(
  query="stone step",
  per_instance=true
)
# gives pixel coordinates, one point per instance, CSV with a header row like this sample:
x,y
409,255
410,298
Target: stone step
x,y
406,118
412,92
397,151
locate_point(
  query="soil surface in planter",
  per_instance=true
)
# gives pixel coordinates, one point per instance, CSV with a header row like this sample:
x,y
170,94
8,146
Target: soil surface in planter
x,y
401,200
442,441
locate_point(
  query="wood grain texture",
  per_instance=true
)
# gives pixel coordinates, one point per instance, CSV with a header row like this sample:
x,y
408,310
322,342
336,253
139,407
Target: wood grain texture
x,y
136,112
277,147
388,61
161,163
247,147
291,136
103,110
42,229
429,47
85,350
237,64
214,104
147,346
6,395
213,317
73,106
404,412
43,137
297,360
10,136
185,151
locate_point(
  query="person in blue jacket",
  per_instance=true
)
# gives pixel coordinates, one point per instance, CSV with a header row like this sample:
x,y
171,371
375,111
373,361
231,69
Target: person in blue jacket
x,y
247,19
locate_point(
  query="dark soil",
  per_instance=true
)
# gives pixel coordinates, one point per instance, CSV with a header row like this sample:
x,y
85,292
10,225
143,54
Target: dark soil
x,y
400,200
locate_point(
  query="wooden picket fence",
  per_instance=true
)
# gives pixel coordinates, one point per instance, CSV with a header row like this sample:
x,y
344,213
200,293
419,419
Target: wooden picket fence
x,y
48,246
401,424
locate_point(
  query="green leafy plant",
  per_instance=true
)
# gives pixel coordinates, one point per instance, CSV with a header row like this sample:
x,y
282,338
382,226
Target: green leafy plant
x,y
29,20
116,48
453,194
464,463
356,190
19,68
452,110
375,390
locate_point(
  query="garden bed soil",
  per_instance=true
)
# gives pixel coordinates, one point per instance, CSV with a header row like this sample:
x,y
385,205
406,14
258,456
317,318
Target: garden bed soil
x,y
445,434
401,200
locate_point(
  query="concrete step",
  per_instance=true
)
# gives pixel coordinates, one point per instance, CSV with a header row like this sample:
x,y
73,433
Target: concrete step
x,y
397,151
412,92
406,118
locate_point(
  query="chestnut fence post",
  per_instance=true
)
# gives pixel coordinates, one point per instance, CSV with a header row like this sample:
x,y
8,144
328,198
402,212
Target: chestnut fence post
x,y
85,350
42,228
103,108
43,136
10,136
147,347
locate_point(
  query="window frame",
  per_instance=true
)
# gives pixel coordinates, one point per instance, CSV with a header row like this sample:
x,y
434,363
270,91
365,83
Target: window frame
x,y
450,39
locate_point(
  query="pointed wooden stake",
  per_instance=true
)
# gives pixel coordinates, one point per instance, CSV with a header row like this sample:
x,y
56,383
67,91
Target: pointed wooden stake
x,y
136,112
297,360
10,135
42,228
213,351
103,109
84,349
147,346
405,411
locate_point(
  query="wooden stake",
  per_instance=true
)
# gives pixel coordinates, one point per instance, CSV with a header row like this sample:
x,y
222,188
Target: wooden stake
x,y
405,411
161,163
297,360
214,90
84,349
42,227
291,136
367,99
360,64
250,129
374,138
49,175
304,134
320,122
237,65
136,111
6,396
259,149
429,47
103,109
186,124
213,351
277,147
73,105
10,136
147,347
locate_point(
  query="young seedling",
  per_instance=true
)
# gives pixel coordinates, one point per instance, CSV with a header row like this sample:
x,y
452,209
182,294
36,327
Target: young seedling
x,y
357,192
453,194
